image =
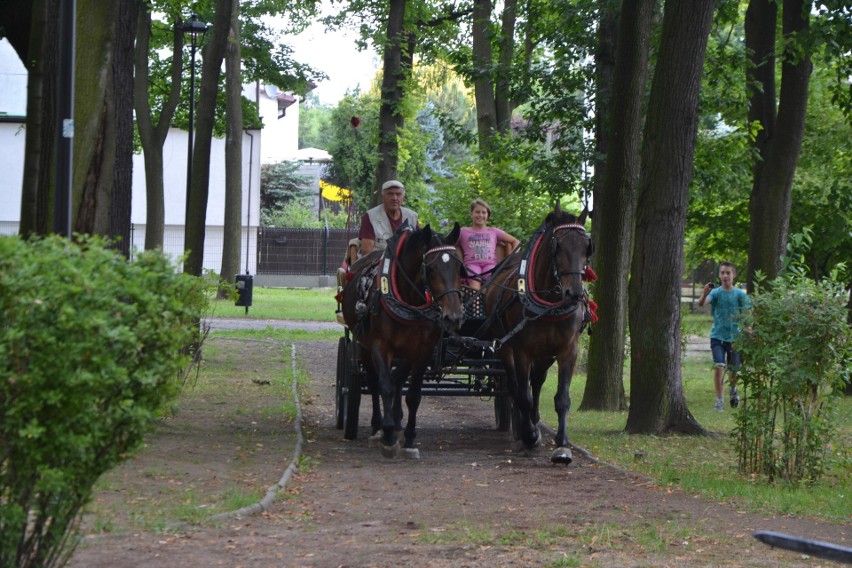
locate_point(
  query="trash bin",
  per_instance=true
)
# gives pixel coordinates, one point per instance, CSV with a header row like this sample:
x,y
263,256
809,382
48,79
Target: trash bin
x,y
244,284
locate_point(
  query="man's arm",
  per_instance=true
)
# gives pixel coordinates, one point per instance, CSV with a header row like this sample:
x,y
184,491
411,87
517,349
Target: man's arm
x,y
367,235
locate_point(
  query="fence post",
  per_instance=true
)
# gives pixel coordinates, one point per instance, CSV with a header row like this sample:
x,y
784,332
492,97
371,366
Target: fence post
x,y
325,249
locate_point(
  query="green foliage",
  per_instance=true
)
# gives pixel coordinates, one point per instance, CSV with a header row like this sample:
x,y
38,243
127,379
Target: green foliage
x,y
281,184
718,216
795,356
822,188
354,148
91,349
296,215
314,124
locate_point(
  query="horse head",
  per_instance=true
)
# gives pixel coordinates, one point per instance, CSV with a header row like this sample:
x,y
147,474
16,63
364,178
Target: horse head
x,y
570,249
442,270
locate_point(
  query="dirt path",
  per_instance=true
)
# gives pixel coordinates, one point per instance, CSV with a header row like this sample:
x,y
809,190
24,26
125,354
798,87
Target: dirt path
x,y
469,501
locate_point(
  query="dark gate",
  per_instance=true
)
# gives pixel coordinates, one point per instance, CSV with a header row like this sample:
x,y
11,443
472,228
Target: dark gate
x,y
301,251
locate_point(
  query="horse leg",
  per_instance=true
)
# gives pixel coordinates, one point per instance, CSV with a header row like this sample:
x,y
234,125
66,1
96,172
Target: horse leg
x,y
538,374
412,401
373,384
382,366
520,378
399,377
562,402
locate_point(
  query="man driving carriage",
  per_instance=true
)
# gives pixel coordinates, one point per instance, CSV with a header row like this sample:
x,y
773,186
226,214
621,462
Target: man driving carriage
x,y
378,225
381,222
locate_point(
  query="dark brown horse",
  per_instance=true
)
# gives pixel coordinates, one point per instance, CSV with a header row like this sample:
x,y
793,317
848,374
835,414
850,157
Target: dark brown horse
x,y
414,294
537,308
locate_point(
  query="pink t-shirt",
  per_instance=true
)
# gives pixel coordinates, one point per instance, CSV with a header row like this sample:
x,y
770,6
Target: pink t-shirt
x,y
480,246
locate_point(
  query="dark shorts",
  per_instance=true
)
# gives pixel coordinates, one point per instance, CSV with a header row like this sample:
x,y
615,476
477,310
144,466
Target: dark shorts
x,y
724,354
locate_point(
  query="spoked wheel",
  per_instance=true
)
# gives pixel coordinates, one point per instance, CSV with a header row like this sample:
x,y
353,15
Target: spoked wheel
x,y
351,394
342,354
503,412
503,407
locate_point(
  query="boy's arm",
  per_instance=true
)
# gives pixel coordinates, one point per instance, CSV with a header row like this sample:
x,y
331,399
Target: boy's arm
x,y
704,294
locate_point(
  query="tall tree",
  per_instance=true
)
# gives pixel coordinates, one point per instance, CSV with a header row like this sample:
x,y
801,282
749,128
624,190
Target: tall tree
x,y
483,76
33,30
396,68
153,133
657,402
779,140
103,119
199,191
615,213
233,152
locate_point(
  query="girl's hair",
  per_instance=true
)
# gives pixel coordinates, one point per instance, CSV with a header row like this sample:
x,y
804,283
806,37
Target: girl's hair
x,y
481,202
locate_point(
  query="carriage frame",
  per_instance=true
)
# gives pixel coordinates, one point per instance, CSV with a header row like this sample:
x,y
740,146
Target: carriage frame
x,y
462,364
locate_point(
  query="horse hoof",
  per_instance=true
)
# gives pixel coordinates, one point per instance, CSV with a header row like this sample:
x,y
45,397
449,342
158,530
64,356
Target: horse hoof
x,y
411,453
390,451
376,438
561,455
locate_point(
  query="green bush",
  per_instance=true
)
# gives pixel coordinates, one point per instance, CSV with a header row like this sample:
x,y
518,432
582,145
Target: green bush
x,y
794,356
90,350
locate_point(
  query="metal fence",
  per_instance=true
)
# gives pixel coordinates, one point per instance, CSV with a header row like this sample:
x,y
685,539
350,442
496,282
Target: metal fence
x,y
301,251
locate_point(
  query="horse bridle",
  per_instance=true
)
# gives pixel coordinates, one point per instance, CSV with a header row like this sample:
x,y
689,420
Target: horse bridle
x,y
435,250
553,242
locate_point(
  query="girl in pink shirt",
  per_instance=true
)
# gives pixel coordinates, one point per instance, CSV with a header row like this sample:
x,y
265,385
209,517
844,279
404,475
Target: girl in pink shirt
x,y
479,242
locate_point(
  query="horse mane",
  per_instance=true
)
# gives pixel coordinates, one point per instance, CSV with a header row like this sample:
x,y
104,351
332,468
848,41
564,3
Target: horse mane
x,y
398,247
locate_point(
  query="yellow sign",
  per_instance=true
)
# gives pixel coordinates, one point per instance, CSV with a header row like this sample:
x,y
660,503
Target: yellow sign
x,y
333,193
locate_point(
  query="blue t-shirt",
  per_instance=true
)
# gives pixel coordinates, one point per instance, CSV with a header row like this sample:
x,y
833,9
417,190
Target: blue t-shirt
x,y
726,307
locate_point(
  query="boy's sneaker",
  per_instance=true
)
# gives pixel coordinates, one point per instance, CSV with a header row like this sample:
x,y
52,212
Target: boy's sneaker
x,y
720,406
735,397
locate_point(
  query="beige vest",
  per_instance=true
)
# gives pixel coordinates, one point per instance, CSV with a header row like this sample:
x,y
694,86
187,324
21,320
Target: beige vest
x,y
382,225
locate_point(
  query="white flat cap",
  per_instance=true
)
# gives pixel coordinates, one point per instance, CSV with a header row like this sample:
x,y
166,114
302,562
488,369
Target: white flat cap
x,y
392,183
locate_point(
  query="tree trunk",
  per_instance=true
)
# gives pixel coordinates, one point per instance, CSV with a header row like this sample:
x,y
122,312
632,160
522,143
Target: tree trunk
x,y
122,71
390,114
233,153
41,57
657,403
196,215
483,76
502,95
102,169
153,136
615,221
779,143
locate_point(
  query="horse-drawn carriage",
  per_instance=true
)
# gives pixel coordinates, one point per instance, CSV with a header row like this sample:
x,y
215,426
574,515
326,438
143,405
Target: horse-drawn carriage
x,y
462,364
420,332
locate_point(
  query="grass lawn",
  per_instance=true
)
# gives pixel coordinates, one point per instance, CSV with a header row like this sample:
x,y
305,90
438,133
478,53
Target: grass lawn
x,y
282,303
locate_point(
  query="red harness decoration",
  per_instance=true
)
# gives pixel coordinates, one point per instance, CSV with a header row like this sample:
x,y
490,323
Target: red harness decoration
x,y
393,279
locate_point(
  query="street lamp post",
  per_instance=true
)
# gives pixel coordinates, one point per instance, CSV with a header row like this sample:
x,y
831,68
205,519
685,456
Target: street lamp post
x,y
194,28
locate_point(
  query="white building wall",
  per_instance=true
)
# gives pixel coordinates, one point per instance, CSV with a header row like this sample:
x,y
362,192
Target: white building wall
x,y
12,142
13,82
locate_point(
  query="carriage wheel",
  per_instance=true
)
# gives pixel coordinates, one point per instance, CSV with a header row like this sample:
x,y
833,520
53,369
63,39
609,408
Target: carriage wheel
x,y
503,405
503,412
338,382
351,397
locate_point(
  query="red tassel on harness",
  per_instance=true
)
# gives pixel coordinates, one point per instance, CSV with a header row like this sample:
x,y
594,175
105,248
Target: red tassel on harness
x,y
428,298
593,308
589,275
349,275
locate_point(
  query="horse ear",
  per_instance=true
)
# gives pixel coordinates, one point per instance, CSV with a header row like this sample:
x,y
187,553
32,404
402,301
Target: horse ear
x,y
453,237
558,208
584,215
427,233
